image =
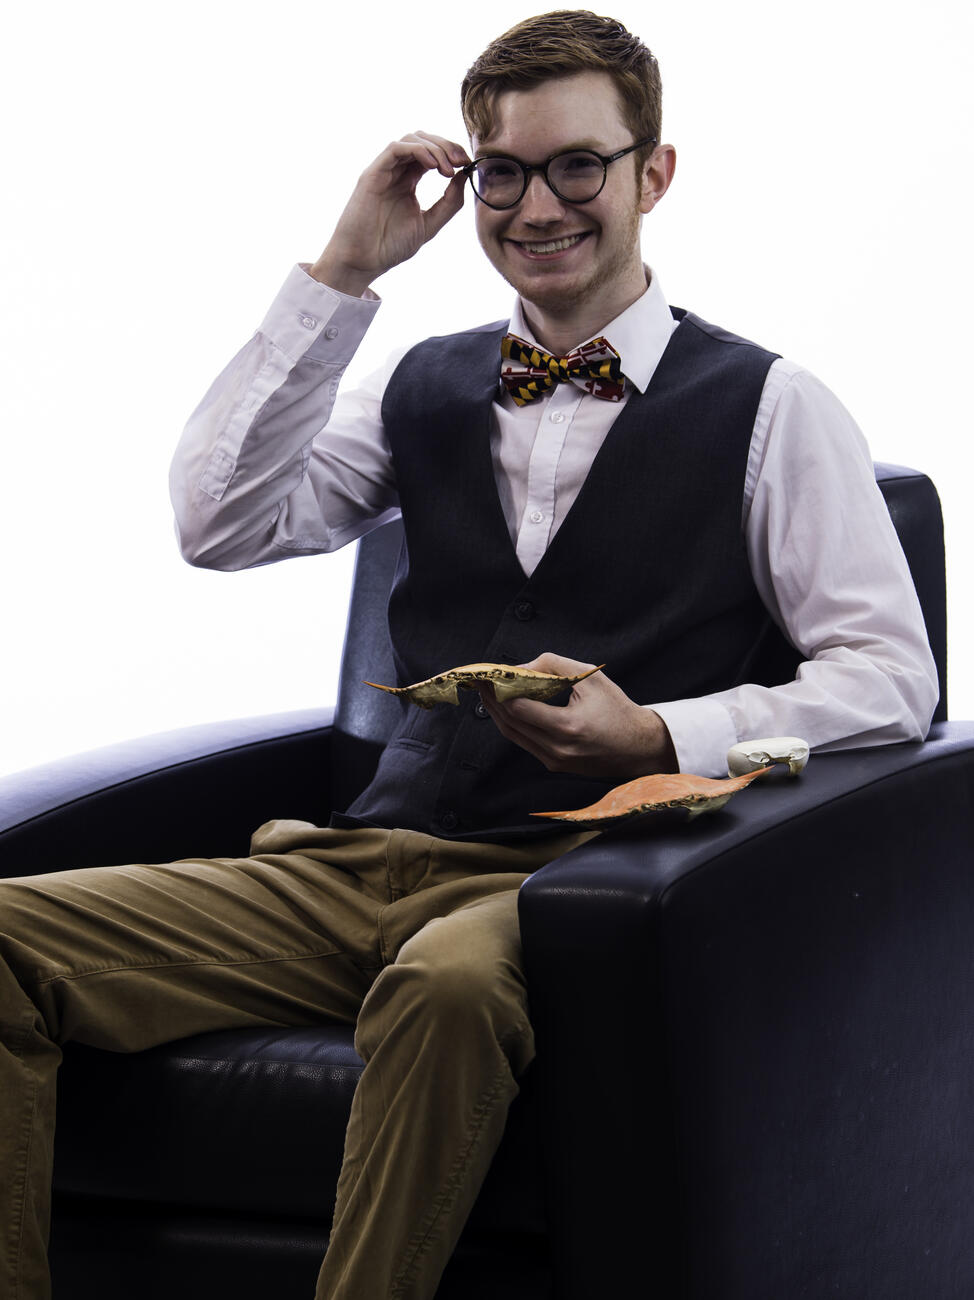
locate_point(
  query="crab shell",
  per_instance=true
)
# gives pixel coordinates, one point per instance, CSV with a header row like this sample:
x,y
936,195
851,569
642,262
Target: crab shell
x,y
749,754
508,683
697,794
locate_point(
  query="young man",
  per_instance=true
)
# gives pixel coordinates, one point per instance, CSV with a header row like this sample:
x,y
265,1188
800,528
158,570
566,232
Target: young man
x,y
649,514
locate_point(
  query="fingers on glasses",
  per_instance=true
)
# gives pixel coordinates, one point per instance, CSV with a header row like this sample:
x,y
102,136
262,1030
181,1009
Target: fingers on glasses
x,y
433,152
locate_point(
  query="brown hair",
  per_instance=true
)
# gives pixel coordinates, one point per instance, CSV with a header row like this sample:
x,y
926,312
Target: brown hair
x,y
559,44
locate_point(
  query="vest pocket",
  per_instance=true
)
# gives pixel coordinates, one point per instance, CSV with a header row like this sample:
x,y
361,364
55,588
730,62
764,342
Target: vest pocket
x,y
409,742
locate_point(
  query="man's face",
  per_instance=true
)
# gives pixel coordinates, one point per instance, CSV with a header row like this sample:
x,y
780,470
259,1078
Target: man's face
x,y
562,257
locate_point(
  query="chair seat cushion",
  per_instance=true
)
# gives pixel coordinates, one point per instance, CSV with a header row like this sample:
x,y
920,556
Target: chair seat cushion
x,y
250,1120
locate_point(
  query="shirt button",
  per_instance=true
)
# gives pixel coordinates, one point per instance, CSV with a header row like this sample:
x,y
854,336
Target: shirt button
x,y
481,710
331,332
309,322
557,417
524,611
536,516
449,821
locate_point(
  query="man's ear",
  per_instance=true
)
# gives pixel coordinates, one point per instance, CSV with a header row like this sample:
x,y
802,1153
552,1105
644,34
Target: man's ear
x,y
656,176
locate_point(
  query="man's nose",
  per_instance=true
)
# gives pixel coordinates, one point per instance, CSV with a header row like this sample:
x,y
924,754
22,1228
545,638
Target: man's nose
x,y
540,204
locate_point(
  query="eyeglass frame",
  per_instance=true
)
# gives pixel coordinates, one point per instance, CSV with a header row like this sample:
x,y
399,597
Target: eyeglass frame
x,y
528,168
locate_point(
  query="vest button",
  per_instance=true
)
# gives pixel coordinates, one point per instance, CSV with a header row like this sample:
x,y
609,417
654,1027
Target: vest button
x,y
449,821
524,611
481,710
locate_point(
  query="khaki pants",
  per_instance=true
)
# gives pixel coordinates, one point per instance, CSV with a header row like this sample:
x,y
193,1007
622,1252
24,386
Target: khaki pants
x,y
415,940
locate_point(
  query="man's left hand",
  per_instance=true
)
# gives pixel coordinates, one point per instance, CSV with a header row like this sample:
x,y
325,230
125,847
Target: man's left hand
x,y
600,732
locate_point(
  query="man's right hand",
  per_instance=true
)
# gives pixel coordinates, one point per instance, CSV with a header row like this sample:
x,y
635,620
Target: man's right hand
x,y
383,224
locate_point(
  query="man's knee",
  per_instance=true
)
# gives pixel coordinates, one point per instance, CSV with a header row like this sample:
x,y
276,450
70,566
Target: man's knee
x,y
455,982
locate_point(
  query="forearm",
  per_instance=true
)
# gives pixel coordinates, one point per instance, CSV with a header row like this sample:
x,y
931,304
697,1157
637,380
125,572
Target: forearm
x,y
842,700
249,482
258,476
829,568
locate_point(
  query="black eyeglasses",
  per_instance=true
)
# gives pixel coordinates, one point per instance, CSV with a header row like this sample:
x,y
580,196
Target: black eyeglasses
x,y
577,176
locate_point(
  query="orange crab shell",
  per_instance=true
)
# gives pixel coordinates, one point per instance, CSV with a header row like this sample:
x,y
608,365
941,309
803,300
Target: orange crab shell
x,y
649,793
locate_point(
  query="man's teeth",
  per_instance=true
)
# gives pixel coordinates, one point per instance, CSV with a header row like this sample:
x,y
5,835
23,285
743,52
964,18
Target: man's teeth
x,y
552,245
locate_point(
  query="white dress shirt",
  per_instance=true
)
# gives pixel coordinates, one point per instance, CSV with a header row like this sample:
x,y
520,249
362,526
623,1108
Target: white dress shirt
x,y
274,463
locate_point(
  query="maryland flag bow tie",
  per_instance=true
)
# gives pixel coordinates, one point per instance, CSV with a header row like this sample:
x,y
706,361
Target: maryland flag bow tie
x,y
529,373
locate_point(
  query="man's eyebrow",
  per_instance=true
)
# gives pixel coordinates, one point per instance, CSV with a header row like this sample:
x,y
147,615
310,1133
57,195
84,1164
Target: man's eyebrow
x,y
591,146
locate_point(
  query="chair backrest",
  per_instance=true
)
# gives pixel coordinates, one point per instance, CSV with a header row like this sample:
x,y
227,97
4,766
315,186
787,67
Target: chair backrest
x,y
914,507
365,718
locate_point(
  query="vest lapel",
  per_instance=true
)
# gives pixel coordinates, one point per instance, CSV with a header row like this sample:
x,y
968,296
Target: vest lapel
x,y
477,392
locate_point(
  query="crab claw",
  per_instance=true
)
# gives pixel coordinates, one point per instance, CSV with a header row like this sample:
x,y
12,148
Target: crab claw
x,y
749,754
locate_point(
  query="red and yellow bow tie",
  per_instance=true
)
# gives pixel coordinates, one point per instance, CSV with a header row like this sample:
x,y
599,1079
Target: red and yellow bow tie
x,y
596,367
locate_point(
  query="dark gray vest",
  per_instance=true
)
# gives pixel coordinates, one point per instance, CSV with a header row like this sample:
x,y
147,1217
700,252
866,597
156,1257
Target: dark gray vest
x,y
647,574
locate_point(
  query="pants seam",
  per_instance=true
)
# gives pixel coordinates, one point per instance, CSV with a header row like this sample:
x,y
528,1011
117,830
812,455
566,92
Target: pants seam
x,y
22,1177
392,886
421,1240
161,963
383,938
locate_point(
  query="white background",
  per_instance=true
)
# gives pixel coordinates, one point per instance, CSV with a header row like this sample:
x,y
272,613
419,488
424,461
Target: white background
x,y
165,165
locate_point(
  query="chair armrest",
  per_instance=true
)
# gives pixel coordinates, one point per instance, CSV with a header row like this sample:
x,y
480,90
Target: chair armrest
x,y
197,791
756,1031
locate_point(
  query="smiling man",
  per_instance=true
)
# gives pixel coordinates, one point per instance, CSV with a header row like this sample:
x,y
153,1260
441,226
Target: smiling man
x,y
600,479
578,264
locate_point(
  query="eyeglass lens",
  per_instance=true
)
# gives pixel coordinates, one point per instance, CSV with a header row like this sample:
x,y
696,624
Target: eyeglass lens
x,y
574,177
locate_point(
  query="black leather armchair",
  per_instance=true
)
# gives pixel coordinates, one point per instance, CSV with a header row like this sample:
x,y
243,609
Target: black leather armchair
x,y
755,1077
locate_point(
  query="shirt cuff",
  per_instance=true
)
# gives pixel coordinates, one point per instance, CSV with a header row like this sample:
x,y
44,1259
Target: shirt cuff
x,y
702,732
308,318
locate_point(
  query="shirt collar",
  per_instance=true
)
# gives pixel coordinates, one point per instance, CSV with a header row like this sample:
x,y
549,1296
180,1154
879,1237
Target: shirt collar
x,y
639,334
